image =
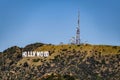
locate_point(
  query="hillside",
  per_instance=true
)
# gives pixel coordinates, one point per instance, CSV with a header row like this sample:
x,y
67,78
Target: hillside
x,y
66,62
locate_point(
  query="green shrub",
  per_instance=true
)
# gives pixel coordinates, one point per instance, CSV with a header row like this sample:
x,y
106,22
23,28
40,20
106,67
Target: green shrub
x,y
36,60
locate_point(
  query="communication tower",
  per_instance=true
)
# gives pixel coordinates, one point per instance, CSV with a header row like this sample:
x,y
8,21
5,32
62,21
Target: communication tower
x,y
78,30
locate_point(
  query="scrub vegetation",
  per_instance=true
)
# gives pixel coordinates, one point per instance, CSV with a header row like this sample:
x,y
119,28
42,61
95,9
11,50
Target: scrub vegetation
x,y
65,62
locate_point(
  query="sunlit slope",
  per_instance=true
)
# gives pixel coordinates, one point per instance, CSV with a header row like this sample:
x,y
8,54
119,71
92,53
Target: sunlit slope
x,y
79,62
56,50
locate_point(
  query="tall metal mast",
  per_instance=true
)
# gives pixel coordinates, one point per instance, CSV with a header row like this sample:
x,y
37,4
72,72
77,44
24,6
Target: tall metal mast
x,y
78,30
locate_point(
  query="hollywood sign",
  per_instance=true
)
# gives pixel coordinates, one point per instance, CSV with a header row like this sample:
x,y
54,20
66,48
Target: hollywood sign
x,y
35,54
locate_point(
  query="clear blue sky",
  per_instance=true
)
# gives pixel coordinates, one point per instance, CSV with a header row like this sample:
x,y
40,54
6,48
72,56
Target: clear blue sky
x,y
24,22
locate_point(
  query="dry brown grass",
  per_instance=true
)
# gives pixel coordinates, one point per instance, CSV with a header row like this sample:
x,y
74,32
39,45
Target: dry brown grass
x,y
58,49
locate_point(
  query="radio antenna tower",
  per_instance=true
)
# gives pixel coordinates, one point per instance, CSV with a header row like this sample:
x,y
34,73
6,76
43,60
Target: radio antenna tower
x,y
78,30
